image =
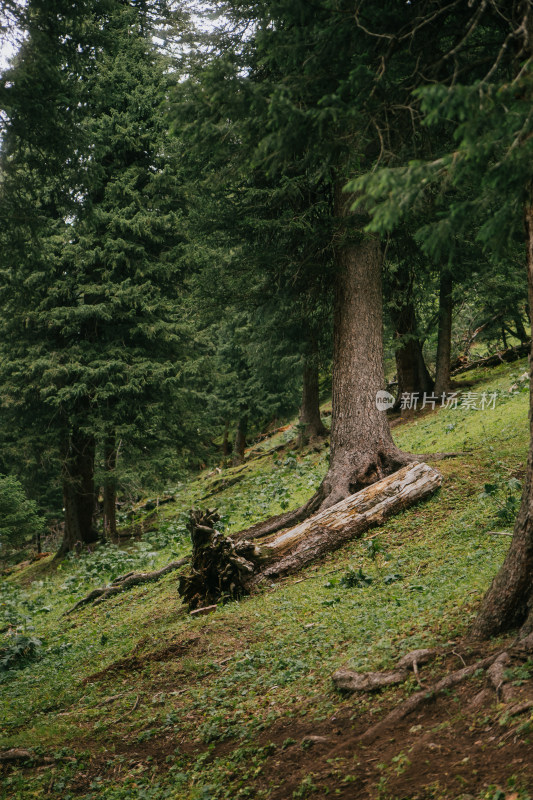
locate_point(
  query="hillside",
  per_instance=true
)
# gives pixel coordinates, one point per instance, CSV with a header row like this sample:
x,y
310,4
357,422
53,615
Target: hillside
x,y
134,698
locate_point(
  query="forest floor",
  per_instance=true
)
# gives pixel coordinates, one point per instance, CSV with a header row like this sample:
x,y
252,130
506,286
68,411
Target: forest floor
x,y
134,698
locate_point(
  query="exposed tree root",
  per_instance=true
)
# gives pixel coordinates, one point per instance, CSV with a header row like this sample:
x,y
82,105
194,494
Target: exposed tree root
x,y
495,665
220,568
126,582
416,700
350,681
222,484
439,456
18,755
286,520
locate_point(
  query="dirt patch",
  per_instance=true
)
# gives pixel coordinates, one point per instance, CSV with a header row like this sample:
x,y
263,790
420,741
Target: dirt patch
x,y
173,650
460,743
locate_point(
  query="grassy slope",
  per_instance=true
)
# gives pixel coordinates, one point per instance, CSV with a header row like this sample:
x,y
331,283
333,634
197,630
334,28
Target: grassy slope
x,y
197,701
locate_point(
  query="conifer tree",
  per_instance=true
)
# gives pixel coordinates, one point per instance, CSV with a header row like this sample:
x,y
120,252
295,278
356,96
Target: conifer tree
x,y
90,305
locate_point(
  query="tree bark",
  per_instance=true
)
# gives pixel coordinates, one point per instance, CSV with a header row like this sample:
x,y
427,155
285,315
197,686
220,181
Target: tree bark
x,y
362,449
444,343
413,375
239,443
110,488
224,567
78,491
509,600
311,425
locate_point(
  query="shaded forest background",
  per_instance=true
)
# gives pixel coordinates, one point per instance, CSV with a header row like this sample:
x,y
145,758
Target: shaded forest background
x,y
211,217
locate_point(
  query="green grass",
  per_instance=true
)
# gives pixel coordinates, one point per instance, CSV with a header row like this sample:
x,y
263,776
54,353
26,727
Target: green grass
x,y
270,656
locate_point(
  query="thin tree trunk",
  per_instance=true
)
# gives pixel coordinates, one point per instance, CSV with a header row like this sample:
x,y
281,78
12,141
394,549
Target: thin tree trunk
x,y
509,601
225,440
413,375
239,443
311,425
78,491
110,488
444,344
504,337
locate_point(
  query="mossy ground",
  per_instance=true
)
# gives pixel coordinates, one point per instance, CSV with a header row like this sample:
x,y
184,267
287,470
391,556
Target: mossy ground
x,y
137,699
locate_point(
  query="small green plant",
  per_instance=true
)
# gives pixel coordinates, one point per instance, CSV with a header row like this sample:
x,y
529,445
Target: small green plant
x,y
355,579
306,787
506,493
19,652
519,674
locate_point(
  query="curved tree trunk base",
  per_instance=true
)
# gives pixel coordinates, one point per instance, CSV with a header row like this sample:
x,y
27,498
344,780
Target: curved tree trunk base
x,y
340,482
286,520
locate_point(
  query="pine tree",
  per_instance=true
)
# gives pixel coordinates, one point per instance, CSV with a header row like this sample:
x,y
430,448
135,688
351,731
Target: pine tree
x,y
91,308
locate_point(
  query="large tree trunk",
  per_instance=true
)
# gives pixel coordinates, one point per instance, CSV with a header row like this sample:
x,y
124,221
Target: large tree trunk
x,y
110,488
222,567
362,448
509,601
78,491
444,343
311,425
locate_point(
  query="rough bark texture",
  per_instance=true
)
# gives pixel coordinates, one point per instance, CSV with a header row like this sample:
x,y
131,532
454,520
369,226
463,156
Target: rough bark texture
x,y
444,343
78,491
329,529
311,426
110,488
509,601
362,449
239,443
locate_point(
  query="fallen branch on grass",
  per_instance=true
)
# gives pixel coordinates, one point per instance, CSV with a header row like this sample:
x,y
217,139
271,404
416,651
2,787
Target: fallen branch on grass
x,y
495,665
126,582
349,681
511,354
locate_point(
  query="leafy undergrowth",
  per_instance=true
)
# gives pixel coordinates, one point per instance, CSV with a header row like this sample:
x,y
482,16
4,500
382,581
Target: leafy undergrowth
x,y
136,699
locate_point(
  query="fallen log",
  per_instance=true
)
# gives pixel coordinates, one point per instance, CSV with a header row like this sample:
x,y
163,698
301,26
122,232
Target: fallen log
x,y
224,568
291,550
504,356
125,582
